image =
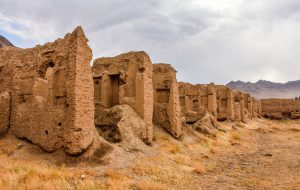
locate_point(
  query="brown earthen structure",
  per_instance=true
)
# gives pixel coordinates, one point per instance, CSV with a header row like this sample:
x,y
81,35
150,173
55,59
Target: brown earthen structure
x,y
225,102
280,108
197,100
124,79
167,111
217,100
50,96
239,106
46,94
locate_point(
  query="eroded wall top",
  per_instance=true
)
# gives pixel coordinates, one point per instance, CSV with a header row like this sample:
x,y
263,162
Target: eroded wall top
x,y
51,93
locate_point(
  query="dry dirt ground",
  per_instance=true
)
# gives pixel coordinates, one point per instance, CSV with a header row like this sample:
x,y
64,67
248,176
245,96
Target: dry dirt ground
x,y
261,154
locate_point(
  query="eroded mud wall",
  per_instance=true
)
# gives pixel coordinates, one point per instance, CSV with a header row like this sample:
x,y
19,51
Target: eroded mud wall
x,y
280,108
48,92
125,79
167,111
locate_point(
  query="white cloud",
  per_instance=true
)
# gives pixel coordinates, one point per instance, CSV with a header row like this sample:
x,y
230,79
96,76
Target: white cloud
x,y
216,40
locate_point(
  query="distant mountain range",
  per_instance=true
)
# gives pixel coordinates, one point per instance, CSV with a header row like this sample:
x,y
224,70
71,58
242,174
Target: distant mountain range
x,y
4,42
266,89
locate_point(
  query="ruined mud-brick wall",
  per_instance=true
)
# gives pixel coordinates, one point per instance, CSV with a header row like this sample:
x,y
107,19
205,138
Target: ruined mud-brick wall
x,y
212,98
280,108
248,102
46,93
196,100
256,108
239,106
125,79
167,111
225,103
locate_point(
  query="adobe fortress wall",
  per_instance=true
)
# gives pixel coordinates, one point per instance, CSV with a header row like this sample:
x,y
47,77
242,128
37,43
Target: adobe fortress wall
x,y
46,94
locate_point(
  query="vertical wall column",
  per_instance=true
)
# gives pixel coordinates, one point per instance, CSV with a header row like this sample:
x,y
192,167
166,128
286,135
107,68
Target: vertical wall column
x,y
242,109
106,90
230,105
212,99
167,111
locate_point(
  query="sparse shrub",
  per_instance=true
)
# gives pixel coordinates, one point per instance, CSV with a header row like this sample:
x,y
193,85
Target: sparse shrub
x,y
114,174
181,159
211,166
200,169
175,149
171,147
90,185
212,150
165,138
236,136
150,186
143,169
204,144
240,125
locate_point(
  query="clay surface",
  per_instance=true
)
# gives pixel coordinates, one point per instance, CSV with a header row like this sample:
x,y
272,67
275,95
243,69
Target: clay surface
x,y
47,94
125,79
280,108
197,100
167,111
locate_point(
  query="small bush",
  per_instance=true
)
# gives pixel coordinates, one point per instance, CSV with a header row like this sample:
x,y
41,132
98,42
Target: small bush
x,y
236,136
200,169
240,125
150,186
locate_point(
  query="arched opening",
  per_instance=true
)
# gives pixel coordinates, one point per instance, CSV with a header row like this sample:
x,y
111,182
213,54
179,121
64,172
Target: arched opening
x,y
44,67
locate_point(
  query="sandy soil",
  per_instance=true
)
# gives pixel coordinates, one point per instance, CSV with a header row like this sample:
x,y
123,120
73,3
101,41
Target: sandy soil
x,y
270,161
262,154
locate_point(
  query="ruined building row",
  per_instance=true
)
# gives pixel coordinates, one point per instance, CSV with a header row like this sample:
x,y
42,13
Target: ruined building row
x,y
52,97
153,92
280,108
46,94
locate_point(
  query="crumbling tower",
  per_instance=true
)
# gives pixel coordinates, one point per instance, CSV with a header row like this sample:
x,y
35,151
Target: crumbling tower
x,y
197,100
167,112
225,103
212,98
48,93
125,79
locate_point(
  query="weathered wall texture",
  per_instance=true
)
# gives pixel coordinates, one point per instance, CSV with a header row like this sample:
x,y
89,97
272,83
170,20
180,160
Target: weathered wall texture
x,y
196,100
217,100
48,93
225,102
212,98
280,108
125,79
256,108
167,111
239,108
5,103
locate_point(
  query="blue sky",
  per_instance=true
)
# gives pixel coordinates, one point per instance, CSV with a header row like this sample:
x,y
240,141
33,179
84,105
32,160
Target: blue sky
x,y
16,40
205,41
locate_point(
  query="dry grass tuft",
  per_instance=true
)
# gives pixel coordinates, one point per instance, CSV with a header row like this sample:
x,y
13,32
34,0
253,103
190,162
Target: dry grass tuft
x,y
204,143
200,169
240,125
212,150
146,185
171,147
236,136
114,174
18,174
211,166
146,169
182,159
